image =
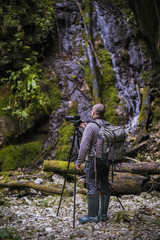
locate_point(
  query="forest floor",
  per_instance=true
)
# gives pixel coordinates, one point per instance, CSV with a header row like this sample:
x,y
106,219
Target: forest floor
x,y
31,215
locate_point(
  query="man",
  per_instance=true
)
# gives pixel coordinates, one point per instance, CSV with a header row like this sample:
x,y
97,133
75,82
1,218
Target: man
x,y
96,176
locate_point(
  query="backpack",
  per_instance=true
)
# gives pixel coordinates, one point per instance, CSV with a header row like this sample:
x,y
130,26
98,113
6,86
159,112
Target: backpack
x,y
110,144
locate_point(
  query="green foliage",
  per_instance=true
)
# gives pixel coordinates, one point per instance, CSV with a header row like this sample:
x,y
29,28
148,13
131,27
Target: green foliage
x,y
9,233
25,25
124,6
26,97
27,28
13,157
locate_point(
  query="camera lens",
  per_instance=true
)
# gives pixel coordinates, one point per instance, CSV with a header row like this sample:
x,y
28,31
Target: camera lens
x,y
72,118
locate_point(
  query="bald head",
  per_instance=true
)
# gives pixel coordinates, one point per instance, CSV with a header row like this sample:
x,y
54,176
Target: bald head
x,y
98,110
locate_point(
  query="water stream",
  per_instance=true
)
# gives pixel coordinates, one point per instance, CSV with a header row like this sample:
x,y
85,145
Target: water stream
x,y
127,58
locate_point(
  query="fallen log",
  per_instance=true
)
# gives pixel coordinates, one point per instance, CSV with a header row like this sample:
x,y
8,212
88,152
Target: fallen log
x,y
55,189
61,167
144,168
128,183
123,184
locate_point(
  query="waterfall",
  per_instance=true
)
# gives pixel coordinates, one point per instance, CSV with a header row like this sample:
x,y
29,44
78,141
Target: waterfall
x,y
118,40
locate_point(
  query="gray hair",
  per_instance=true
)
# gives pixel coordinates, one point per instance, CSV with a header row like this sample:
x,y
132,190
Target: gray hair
x,y
99,109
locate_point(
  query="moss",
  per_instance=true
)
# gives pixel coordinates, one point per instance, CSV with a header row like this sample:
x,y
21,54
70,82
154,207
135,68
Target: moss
x,y
64,141
143,116
13,157
125,7
108,92
60,167
80,51
146,76
53,92
145,106
119,217
155,111
125,56
87,11
88,79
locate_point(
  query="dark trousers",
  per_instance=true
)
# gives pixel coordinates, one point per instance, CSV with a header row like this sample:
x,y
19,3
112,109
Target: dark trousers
x,y
99,184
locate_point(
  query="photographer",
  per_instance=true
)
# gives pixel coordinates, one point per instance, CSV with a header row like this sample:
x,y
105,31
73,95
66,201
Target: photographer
x,y
96,176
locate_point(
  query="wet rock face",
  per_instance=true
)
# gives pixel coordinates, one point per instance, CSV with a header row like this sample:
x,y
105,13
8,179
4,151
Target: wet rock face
x,y
70,55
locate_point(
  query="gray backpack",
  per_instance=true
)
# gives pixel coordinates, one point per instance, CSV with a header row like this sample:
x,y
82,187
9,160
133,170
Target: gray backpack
x,y
110,144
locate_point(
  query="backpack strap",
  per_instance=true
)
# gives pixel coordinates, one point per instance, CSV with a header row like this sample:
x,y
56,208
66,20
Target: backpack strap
x,y
99,124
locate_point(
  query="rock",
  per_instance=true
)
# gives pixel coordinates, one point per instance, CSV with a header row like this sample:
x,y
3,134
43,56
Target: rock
x,y
148,159
49,229
158,142
27,201
58,179
38,181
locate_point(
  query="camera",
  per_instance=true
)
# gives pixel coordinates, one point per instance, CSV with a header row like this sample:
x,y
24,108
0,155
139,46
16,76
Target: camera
x,y
75,120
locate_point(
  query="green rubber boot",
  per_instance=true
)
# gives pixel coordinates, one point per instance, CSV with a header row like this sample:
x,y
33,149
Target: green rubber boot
x,y
93,207
104,207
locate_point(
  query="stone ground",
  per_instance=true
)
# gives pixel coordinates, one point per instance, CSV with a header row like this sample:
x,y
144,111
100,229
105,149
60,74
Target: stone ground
x,y
34,217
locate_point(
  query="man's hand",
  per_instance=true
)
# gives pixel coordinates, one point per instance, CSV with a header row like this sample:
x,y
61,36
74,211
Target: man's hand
x,y
83,125
77,166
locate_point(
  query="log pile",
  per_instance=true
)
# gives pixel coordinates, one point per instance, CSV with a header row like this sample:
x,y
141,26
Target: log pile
x,y
129,178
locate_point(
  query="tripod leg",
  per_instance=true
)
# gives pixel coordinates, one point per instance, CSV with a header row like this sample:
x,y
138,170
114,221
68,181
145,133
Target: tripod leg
x,y
75,174
74,208
66,175
116,196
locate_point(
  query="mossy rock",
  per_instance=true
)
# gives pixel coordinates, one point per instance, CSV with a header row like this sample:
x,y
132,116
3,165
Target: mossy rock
x,y
108,92
65,133
13,157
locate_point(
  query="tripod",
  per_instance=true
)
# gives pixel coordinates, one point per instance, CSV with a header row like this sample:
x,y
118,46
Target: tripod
x,y
75,146
116,196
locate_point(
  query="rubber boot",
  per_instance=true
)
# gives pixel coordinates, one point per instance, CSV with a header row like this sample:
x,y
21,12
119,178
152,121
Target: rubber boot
x,y
104,207
93,207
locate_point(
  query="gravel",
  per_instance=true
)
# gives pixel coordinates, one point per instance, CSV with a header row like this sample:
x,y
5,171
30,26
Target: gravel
x,y
34,217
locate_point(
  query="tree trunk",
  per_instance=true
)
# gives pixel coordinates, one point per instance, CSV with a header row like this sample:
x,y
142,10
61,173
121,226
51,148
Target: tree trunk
x,y
55,189
128,183
144,168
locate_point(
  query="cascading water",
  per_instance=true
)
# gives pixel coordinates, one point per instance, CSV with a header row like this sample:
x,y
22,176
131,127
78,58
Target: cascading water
x,y
120,43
